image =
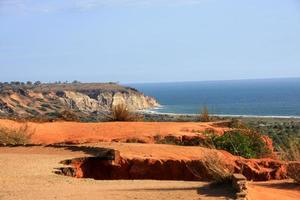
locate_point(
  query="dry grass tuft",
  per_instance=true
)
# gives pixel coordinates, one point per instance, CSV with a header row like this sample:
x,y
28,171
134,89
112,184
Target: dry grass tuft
x,y
293,170
216,168
19,136
292,153
204,115
121,112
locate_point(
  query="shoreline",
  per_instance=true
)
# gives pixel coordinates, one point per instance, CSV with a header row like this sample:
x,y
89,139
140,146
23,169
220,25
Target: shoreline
x,y
151,112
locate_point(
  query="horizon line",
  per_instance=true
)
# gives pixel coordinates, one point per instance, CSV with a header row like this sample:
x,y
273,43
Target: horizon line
x,y
213,80
153,82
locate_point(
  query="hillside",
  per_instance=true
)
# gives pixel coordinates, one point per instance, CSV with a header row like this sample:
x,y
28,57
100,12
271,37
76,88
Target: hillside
x,y
86,100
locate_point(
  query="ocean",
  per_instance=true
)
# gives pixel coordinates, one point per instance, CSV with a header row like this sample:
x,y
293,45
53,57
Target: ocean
x,y
269,97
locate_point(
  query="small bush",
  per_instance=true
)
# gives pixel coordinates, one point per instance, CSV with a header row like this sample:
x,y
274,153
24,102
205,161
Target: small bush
x,y
236,123
32,111
42,109
135,140
45,105
121,112
169,139
219,172
19,136
65,115
216,168
293,170
245,143
291,152
204,115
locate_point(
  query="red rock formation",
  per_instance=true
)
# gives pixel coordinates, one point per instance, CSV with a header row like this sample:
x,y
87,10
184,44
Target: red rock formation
x,y
269,144
102,167
261,169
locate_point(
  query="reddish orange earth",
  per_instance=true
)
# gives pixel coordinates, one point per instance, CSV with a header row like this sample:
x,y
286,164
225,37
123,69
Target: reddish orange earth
x,y
27,172
273,190
75,132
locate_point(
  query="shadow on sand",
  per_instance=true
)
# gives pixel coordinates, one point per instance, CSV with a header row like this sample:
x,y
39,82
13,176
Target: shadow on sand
x,y
208,190
281,185
93,151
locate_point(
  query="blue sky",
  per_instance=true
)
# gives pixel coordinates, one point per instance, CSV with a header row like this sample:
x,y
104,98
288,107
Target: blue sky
x,y
148,40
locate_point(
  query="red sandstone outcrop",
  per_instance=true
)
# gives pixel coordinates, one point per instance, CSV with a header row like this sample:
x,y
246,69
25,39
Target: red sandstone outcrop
x,y
116,166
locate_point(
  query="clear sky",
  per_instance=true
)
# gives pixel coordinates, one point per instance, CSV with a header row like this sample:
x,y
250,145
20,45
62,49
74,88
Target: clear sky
x,y
148,40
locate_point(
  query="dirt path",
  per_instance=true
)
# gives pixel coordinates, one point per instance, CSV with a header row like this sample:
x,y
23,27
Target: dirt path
x,y
26,173
274,190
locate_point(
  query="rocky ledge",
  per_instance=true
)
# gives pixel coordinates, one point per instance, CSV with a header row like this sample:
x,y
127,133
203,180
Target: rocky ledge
x,y
196,164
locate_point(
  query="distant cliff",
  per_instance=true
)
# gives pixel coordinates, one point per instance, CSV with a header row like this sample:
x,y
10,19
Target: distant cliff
x,y
85,99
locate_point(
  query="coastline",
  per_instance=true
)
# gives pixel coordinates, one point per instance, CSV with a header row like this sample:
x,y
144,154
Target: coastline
x,y
153,115
221,115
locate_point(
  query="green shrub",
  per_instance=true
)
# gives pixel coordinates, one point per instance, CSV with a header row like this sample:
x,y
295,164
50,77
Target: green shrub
x,y
245,143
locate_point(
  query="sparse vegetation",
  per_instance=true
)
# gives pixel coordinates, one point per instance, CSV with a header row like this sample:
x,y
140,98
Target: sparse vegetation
x,y
291,152
279,131
204,115
135,140
45,105
42,109
32,111
68,115
236,123
284,134
169,139
20,136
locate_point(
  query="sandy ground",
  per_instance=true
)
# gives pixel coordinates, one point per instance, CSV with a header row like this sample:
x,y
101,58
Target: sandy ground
x,y
27,173
274,190
57,132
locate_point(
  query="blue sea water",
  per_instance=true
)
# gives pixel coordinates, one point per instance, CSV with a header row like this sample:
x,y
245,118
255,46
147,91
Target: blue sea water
x,y
269,97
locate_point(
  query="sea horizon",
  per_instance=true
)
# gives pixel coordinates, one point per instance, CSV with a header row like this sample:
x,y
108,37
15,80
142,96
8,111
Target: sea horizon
x,y
276,97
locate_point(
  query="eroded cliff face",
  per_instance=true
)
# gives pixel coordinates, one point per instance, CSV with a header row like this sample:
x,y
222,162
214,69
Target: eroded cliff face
x,y
87,99
109,164
104,101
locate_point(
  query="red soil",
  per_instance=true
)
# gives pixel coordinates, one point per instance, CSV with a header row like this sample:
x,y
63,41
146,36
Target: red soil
x,y
75,132
169,162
